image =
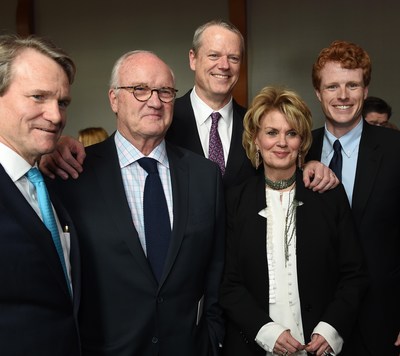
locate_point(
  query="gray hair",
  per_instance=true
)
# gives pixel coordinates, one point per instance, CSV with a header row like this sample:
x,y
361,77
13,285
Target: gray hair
x,y
12,45
114,80
196,43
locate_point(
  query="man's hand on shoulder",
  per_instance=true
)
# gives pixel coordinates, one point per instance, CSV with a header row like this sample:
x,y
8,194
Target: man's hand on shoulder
x,y
66,160
318,177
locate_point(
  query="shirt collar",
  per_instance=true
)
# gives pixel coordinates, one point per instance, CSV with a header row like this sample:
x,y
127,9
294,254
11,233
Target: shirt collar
x,y
202,111
13,163
128,153
349,141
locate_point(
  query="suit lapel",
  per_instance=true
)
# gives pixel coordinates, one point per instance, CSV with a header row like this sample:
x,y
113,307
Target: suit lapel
x,y
236,156
107,174
368,162
180,195
185,121
18,207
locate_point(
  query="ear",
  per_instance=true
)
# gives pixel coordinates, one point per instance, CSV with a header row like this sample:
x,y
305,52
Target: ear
x,y
192,60
318,94
365,92
113,97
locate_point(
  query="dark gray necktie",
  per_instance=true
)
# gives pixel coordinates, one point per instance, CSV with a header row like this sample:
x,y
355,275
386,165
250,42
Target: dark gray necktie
x,y
157,226
337,160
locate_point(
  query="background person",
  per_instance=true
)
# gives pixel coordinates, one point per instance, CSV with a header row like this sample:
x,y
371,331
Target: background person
x,y
91,135
376,111
293,279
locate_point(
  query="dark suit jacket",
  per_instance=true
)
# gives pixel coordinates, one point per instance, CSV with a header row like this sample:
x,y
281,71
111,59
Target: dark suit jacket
x,y
37,315
330,272
183,132
375,207
124,312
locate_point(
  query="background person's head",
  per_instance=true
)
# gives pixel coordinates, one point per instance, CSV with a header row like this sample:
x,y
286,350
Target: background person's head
x,y
91,135
376,111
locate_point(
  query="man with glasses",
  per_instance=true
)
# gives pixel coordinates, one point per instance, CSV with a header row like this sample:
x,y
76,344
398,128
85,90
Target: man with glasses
x,y
150,217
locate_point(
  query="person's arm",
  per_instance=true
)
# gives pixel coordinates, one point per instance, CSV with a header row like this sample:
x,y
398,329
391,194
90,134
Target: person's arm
x,y
318,177
66,160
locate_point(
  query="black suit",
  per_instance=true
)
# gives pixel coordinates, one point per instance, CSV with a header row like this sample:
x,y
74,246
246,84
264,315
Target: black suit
x,y
183,132
330,274
375,207
124,311
37,315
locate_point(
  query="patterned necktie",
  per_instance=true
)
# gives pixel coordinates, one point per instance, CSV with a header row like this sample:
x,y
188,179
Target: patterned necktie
x,y
215,150
157,226
337,160
36,178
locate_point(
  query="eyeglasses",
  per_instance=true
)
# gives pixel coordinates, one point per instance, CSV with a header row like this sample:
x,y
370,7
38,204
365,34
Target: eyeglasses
x,y
144,93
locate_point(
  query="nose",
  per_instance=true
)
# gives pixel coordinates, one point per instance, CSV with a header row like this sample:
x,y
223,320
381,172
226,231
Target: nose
x,y
52,112
223,62
154,101
342,93
282,142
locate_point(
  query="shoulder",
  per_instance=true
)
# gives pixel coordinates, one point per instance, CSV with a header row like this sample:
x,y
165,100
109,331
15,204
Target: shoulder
x,y
238,109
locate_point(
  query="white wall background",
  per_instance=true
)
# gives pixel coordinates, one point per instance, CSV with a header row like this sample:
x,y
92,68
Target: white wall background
x,y
284,38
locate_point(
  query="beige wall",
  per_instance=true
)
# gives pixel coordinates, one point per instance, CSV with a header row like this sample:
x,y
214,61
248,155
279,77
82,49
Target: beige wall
x,y
284,39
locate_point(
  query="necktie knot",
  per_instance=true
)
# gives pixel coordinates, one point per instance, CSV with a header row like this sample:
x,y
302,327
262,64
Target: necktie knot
x,y
34,176
148,164
215,116
337,147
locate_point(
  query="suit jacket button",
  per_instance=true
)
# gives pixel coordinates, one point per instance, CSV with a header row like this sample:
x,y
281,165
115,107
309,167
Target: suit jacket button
x,y
308,307
160,300
154,340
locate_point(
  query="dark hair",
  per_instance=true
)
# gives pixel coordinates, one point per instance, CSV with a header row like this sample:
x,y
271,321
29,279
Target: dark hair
x,y
375,104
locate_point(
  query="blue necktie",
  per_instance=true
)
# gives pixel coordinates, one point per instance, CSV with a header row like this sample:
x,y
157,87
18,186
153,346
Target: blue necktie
x,y
36,178
157,225
337,160
215,150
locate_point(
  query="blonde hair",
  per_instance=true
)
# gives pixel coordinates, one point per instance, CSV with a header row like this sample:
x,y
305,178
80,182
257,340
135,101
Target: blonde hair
x,y
289,104
92,135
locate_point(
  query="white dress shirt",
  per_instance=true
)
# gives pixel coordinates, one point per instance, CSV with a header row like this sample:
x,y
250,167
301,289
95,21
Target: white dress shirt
x,y
202,114
134,178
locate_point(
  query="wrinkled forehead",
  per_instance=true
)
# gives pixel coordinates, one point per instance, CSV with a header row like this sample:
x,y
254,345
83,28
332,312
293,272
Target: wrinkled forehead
x,y
146,69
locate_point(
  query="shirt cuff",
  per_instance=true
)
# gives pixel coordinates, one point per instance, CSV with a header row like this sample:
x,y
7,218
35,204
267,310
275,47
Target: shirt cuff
x,y
268,334
330,334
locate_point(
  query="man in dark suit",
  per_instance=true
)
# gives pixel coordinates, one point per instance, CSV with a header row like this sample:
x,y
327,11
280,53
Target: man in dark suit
x,y
369,159
39,285
215,57
127,308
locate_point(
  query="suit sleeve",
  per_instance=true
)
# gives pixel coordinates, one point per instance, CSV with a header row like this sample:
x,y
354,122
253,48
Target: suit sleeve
x,y
213,309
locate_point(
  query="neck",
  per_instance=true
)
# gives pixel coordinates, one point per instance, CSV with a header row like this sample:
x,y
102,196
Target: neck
x,y
215,102
280,184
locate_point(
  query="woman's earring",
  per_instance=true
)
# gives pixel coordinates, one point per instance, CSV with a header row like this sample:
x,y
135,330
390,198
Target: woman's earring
x,y
299,163
257,158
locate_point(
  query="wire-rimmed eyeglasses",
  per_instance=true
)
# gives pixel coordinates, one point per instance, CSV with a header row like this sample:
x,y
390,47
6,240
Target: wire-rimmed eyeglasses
x,y
144,93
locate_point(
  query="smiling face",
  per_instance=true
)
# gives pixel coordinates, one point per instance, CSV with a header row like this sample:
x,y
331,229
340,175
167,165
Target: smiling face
x,y
216,65
341,93
144,124
278,144
33,108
